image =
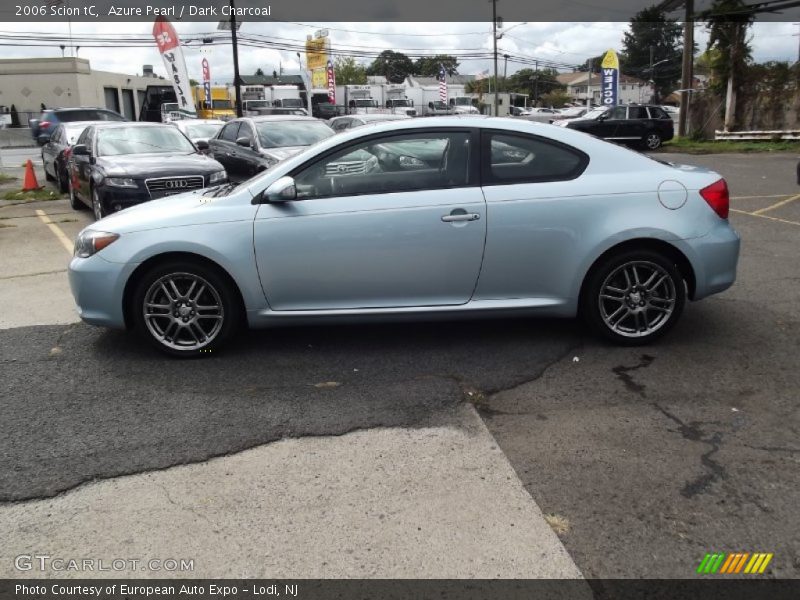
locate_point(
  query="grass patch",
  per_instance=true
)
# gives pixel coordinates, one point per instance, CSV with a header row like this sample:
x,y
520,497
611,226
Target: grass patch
x,y
690,146
43,194
557,523
6,178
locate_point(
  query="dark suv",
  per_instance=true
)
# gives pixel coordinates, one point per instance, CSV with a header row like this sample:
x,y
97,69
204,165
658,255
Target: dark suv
x,y
43,127
640,124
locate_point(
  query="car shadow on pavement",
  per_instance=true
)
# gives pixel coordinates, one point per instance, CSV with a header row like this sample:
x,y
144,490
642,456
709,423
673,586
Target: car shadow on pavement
x,y
85,403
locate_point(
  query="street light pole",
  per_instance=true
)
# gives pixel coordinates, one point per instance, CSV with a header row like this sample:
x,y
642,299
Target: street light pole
x,y
236,80
494,41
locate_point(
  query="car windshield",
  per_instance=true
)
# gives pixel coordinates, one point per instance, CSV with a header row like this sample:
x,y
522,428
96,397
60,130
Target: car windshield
x,y
88,114
281,134
594,113
366,103
203,130
400,103
116,141
573,112
463,101
221,104
257,104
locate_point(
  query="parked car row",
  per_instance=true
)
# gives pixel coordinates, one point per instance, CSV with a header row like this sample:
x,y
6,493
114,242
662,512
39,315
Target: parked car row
x,y
110,164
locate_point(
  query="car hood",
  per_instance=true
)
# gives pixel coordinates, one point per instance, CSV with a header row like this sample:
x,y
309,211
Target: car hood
x,y
158,165
190,208
282,153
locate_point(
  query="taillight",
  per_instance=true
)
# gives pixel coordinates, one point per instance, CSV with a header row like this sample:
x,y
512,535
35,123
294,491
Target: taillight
x,y
44,124
717,197
67,152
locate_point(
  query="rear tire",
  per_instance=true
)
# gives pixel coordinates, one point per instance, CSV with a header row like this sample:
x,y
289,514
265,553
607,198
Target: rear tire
x,y
633,298
185,308
651,141
63,181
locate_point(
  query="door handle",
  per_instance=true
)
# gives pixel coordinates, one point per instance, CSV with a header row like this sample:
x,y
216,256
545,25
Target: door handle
x,y
460,217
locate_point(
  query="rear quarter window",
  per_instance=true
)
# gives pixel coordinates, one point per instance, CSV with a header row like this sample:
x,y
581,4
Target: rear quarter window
x,y
509,158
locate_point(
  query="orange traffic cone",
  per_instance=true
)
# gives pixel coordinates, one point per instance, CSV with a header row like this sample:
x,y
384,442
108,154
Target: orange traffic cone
x,y
29,183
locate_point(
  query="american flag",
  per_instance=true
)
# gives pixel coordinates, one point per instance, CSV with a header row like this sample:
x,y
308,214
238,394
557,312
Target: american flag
x,y
331,84
442,84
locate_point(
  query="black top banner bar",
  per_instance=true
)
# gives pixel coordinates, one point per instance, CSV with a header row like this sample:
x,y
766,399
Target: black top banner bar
x,y
319,11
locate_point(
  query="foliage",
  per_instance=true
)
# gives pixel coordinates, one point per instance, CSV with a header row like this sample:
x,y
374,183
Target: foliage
x,y
14,116
481,86
395,66
193,82
533,83
259,72
555,99
651,31
349,72
592,64
428,66
728,45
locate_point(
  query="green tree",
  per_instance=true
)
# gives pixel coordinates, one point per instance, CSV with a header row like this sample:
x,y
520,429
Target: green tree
x,y
395,66
428,66
259,72
652,37
555,99
592,64
14,116
349,72
193,82
728,45
534,83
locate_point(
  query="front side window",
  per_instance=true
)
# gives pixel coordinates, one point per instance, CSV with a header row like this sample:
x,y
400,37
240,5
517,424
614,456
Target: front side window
x,y
512,158
618,112
230,132
382,165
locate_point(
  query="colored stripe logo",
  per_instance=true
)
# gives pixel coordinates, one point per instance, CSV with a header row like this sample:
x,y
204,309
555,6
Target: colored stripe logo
x,y
732,563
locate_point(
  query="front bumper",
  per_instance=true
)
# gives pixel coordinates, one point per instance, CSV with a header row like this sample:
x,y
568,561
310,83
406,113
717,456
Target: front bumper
x,y
98,287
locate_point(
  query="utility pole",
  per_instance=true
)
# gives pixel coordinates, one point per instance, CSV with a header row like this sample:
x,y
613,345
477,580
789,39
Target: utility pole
x,y
505,71
686,67
494,41
536,83
236,80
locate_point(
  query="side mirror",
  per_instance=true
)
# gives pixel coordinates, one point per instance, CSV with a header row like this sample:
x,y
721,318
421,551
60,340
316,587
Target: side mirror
x,y
602,117
281,190
202,145
430,105
245,142
80,150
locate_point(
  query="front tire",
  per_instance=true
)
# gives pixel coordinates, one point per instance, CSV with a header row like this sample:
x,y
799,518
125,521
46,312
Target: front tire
x,y
651,141
63,178
185,309
634,297
97,205
74,201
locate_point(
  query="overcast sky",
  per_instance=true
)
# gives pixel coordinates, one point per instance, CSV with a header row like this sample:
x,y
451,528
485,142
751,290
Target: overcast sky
x,y
561,42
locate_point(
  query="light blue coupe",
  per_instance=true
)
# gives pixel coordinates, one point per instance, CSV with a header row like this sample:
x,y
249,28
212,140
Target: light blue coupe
x,y
421,218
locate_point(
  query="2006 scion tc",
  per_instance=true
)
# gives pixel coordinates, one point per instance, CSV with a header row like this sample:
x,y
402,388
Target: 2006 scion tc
x,y
453,217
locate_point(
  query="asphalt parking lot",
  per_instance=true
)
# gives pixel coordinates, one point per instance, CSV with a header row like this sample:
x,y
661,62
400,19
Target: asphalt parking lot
x,y
643,459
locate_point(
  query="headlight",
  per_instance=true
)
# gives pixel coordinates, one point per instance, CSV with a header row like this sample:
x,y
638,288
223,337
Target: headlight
x,y
218,177
91,242
124,182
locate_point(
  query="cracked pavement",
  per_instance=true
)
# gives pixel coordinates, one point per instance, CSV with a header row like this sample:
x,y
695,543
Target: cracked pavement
x,y
361,437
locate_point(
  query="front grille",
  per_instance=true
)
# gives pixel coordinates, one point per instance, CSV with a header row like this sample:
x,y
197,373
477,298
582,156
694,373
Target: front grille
x,y
167,186
349,167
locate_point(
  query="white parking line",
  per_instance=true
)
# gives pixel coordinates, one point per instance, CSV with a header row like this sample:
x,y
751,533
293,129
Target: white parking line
x,y
62,237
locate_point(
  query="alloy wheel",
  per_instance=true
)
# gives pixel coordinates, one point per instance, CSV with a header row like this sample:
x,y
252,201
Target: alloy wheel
x,y
637,299
653,141
97,207
183,311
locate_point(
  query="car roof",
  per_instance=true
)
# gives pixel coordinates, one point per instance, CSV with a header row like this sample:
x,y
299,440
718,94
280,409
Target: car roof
x,y
71,108
199,121
121,124
287,117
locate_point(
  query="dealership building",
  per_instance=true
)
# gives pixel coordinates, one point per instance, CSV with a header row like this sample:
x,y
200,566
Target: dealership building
x,y
27,83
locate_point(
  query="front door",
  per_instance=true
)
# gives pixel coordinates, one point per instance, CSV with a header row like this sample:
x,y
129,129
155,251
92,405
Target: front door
x,y
397,220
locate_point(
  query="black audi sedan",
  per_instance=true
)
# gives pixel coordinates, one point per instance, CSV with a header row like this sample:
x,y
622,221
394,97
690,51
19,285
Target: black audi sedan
x,y
116,165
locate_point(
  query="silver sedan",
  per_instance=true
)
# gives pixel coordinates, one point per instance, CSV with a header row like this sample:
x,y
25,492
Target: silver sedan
x,y
438,218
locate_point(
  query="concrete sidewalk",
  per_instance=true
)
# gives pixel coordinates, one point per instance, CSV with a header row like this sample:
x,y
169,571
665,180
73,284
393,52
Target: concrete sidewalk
x,y
439,502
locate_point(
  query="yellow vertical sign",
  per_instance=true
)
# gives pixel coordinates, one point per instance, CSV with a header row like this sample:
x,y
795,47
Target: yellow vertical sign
x,y
317,53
